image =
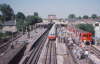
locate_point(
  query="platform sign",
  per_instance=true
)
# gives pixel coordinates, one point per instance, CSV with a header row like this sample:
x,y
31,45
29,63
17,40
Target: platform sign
x,y
97,33
82,45
61,34
97,30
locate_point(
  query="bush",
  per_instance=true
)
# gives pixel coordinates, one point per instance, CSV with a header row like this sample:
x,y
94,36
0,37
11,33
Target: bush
x,y
86,27
5,35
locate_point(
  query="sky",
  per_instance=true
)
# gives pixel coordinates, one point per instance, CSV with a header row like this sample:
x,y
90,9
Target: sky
x,y
61,8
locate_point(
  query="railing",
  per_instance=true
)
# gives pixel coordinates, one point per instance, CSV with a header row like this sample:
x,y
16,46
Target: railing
x,y
5,46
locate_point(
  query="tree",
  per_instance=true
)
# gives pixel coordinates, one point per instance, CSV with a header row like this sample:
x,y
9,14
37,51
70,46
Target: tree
x,y
93,16
79,17
86,27
29,20
20,15
85,17
20,21
33,19
71,16
1,19
35,13
40,20
7,12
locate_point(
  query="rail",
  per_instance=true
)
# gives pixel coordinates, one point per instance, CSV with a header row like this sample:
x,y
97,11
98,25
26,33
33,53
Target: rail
x,y
36,49
51,53
95,51
4,46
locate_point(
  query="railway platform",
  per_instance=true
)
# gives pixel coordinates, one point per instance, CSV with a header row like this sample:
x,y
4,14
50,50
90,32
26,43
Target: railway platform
x,y
55,52
11,53
97,47
19,44
63,54
77,50
31,41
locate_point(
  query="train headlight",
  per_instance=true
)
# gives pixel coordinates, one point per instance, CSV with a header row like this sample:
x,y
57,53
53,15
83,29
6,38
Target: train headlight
x,y
84,40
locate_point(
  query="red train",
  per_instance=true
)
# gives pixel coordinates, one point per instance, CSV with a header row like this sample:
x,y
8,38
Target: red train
x,y
87,38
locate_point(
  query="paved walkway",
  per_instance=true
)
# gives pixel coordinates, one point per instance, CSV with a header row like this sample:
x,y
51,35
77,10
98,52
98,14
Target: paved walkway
x,y
4,59
94,59
31,41
61,48
63,55
18,44
33,38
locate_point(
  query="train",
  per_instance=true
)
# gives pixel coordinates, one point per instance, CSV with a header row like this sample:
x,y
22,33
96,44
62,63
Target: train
x,y
52,33
87,38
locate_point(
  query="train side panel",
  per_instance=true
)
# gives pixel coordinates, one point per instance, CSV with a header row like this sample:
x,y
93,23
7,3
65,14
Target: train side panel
x,y
52,33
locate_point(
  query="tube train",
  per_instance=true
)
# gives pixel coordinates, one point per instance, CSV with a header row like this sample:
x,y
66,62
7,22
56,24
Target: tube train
x,y
87,38
52,33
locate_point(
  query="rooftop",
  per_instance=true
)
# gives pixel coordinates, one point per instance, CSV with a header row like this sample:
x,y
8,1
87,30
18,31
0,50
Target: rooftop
x,y
9,23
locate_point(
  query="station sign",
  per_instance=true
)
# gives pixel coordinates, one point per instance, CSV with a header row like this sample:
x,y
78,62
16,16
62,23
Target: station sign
x,y
97,30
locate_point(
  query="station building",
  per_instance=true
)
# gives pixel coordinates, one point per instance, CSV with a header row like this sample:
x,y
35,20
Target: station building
x,y
97,33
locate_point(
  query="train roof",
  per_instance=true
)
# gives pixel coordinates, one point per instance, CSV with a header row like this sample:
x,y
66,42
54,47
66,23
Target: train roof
x,y
86,33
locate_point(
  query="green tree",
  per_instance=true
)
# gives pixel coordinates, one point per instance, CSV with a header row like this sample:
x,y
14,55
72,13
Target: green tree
x,y
35,13
1,19
7,12
86,27
20,21
29,20
71,16
20,15
93,16
85,17
33,19
40,20
79,17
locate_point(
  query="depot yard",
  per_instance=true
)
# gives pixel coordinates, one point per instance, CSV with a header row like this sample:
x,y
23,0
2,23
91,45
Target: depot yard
x,y
37,48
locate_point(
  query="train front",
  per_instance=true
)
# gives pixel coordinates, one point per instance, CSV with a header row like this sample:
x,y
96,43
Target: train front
x,y
52,33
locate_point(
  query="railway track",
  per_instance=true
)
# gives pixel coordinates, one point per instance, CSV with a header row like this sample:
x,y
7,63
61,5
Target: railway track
x,y
36,50
95,51
51,53
83,61
5,46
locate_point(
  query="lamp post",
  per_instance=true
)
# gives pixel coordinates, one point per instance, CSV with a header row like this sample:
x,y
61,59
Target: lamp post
x,y
12,31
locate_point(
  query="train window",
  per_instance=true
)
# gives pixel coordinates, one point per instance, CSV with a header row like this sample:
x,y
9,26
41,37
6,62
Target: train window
x,y
85,36
89,35
52,34
97,24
